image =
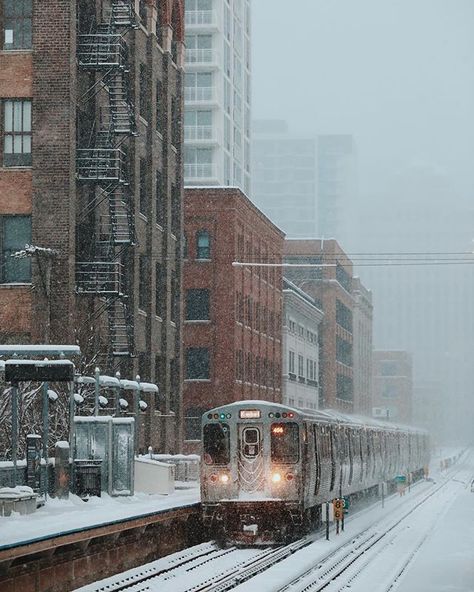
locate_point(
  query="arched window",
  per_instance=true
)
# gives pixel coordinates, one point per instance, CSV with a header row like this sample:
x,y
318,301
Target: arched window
x,y
203,245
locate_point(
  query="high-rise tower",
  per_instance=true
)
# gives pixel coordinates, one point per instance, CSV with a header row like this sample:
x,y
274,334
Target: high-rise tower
x,y
217,93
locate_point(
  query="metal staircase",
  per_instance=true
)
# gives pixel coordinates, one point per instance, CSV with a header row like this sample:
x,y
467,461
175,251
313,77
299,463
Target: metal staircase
x,y
103,164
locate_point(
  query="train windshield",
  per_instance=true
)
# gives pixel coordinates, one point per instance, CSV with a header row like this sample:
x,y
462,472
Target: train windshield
x,y
216,445
285,442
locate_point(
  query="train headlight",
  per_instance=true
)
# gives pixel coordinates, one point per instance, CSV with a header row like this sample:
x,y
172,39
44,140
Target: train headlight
x,y
276,477
224,478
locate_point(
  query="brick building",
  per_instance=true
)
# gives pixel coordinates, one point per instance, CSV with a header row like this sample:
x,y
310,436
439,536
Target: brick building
x,y
232,316
90,175
331,289
393,386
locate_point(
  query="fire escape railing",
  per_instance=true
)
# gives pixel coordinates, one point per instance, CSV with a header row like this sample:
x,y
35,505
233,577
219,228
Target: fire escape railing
x,y
103,164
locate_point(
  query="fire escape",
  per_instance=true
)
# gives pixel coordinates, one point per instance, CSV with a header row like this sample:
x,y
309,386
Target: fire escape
x,y
103,165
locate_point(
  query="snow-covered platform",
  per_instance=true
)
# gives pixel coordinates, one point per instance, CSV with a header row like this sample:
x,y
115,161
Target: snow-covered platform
x,y
67,543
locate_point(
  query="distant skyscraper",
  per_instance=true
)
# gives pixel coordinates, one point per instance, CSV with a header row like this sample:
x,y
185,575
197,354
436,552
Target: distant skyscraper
x,y
336,186
284,177
217,93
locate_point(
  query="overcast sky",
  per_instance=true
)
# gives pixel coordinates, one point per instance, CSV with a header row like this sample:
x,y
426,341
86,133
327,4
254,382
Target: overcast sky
x,y
398,74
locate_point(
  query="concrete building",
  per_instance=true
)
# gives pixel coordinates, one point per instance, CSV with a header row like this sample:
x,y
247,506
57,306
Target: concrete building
x,y
232,326
393,386
217,93
301,320
284,177
336,186
362,347
91,160
330,287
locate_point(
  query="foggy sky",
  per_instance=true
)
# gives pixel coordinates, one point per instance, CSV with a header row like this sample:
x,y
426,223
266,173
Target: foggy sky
x,y
398,74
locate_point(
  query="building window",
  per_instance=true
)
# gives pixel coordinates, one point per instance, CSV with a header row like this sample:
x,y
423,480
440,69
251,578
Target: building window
x,y
239,362
197,305
160,200
143,205
300,366
15,234
160,290
175,122
159,106
143,282
16,24
197,363
343,316
203,245
143,96
184,243
291,362
192,423
17,133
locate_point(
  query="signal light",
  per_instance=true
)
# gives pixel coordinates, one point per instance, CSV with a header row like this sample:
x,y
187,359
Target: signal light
x,y
216,416
278,430
283,414
277,415
289,476
209,416
222,415
291,414
229,415
270,415
213,478
276,477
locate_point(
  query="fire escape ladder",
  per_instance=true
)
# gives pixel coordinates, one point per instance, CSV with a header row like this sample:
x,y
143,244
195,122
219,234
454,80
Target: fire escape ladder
x,y
103,163
123,14
120,327
122,111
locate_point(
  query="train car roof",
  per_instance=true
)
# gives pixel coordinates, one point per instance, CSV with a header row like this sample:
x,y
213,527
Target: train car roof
x,y
326,415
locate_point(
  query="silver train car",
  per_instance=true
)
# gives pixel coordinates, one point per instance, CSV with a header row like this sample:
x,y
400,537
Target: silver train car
x,y
267,468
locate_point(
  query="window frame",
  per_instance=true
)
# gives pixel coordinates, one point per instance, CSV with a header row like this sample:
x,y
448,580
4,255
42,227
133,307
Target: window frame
x,y
203,249
26,263
20,19
199,373
12,159
198,303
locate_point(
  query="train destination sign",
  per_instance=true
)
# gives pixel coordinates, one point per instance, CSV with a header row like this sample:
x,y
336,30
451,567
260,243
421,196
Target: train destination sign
x,y
249,414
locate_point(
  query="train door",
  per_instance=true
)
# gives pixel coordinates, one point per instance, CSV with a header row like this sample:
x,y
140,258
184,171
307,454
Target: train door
x,y
250,458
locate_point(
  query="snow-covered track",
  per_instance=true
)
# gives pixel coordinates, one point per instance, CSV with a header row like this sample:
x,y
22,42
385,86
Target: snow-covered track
x,y
340,570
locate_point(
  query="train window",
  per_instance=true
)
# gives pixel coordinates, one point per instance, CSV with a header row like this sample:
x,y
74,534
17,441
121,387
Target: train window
x,y
251,441
285,442
216,445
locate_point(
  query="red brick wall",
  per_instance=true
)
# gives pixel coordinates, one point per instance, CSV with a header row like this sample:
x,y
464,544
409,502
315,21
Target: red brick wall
x,y
15,192
16,74
227,214
15,310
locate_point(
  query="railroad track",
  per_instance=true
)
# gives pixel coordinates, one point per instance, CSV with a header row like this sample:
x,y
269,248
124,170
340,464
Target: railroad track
x,y
341,569
210,567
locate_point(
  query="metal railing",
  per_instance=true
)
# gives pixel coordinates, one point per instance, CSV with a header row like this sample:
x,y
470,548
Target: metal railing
x,y
201,56
99,277
102,50
198,171
199,132
199,93
200,17
101,164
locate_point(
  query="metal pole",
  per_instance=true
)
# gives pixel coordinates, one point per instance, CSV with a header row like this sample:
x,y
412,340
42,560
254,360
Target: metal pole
x,y
14,430
327,521
136,396
383,492
96,401
117,396
45,436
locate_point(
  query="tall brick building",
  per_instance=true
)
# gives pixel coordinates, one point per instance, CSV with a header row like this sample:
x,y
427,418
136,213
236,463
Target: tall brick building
x,y
90,175
232,326
331,289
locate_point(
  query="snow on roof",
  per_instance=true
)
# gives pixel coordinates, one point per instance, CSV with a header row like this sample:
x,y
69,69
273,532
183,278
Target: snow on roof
x,y
129,385
38,363
148,387
23,350
109,381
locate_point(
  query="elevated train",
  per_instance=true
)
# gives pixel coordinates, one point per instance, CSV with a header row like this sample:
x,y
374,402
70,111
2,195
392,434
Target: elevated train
x,y
267,468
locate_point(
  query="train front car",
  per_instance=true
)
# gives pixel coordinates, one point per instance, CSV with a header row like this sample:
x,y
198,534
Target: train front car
x,y
251,472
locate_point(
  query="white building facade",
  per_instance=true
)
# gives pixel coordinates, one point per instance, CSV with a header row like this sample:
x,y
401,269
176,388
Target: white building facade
x,y
217,93
301,320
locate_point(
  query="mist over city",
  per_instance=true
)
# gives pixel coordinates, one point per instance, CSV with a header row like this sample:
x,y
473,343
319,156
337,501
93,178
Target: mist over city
x,y
398,79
